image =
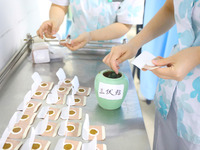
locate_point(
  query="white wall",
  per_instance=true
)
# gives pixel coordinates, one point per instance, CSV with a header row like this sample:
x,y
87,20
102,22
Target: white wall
x,y
17,18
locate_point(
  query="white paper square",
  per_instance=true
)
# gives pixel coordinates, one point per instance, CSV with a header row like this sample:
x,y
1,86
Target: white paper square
x,y
143,60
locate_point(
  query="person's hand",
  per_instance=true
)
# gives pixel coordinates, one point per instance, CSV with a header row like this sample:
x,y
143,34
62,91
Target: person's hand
x,y
48,28
79,42
178,65
119,54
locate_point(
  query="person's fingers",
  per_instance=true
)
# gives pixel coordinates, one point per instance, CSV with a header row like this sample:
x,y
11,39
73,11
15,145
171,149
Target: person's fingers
x,y
80,41
123,57
54,30
40,32
65,44
77,40
158,57
143,69
75,44
44,28
117,55
106,60
115,67
51,28
48,32
48,28
113,59
113,62
48,35
165,73
69,46
159,61
75,47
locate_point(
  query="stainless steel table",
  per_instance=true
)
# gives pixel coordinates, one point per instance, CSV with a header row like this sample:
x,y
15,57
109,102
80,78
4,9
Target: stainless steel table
x,y
125,128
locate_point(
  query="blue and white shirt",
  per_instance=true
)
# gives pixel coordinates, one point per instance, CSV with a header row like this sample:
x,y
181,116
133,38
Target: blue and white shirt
x,y
186,93
89,15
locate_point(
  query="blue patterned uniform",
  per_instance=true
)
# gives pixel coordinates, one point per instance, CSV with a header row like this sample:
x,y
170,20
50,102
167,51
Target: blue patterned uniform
x,y
186,93
89,15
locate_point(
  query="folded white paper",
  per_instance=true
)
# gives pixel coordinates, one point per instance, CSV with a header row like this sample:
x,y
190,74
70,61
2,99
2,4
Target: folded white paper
x,y
65,113
85,130
53,97
27,98
91,145
41,126
63,128
32,137
43,112
60,144
34,88
75,84
61,76
29,142
4,137
36,78
70,100
14,119
144,60
55,89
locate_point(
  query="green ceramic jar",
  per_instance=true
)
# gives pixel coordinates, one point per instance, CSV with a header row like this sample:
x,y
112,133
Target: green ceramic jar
x,y
111,89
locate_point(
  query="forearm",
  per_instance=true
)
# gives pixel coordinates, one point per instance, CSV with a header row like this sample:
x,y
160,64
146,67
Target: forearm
x,y
57,13
178,65
198,55
113,31
158,25
194,55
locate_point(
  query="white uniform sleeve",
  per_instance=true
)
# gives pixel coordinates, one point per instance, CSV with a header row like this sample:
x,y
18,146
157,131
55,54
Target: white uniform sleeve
x,y
60,2
131,12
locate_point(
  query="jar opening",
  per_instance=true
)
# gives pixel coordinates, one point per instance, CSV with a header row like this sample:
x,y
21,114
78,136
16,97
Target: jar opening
x,y
112,74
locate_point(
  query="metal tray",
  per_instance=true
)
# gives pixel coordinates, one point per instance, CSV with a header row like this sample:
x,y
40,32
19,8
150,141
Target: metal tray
x,y
125,128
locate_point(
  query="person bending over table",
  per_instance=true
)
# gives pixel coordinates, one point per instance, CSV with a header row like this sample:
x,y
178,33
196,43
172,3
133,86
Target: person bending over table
x,y
177,123
93,20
